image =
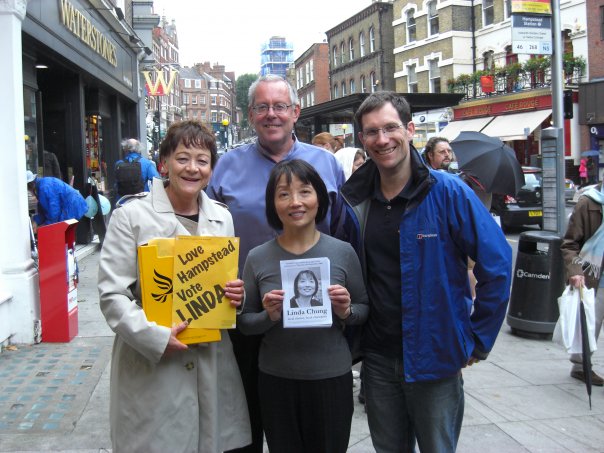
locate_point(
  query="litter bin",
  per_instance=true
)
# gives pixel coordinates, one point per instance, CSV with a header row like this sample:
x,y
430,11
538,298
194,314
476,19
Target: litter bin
x,y
58,281
537,284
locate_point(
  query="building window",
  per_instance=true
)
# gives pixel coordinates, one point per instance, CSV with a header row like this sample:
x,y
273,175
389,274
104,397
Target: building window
x,y
335,56
197,83
411,79
362,44
307,66
432,18
214,117
312,71
487,60
343,89
507,4
351,49
203,116
202,99
302,102
308,104
487,12
185,98
510,57
342,52
363,85
373,82
434,76
411,26
187,83
335,91
213,99
601,23
352,87
312,98
194,99
371,40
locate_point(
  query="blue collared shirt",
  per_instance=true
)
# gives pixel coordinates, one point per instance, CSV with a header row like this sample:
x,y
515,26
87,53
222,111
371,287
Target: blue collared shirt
x,y
239,181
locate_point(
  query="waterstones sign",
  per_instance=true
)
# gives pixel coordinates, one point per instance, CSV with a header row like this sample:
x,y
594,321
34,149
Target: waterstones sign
x,y
78,24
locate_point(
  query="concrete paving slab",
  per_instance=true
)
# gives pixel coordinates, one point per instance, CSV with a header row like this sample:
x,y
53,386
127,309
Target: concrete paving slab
x,y
487,439
532,402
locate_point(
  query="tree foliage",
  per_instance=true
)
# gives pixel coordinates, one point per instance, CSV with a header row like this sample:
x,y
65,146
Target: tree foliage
x,y
243,84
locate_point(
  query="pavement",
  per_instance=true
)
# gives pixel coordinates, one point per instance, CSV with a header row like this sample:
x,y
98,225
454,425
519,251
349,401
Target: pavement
x,y
54,397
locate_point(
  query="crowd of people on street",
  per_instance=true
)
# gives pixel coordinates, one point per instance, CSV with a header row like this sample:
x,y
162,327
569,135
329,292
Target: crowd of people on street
x,y
418,284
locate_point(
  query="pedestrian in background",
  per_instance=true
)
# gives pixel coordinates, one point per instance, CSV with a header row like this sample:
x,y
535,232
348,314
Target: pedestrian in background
x,y
239,181
592,171
325,140
166,396
133,172
57,201
350,159
583,172
51,165
305,382
583,253
438,153
414,229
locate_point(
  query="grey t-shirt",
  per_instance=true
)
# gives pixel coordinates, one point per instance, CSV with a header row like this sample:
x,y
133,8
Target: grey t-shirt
x,y
301,353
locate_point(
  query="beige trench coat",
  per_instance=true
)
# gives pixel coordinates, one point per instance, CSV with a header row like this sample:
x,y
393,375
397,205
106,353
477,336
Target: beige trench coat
x,y
191,401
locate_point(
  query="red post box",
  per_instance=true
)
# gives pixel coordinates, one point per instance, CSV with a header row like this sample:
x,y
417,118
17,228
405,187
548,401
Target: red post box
x,y
58,281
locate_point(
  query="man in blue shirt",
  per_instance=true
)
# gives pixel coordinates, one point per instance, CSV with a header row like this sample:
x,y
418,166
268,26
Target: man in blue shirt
x,y
239,180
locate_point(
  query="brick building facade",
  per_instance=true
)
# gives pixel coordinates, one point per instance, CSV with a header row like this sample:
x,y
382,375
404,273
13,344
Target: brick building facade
x,y
312,75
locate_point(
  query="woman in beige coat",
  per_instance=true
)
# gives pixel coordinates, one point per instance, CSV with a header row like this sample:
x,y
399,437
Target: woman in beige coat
x,y
166,396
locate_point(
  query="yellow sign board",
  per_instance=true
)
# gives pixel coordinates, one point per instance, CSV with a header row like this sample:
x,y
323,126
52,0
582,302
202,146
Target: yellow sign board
x,y
183,279
532,6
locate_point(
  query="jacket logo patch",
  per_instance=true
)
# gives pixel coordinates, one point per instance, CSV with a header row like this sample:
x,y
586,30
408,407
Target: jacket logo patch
x,y
421,236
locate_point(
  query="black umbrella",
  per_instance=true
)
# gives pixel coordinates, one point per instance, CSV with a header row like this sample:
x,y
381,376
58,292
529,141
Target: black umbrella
x,y
490,160
585,349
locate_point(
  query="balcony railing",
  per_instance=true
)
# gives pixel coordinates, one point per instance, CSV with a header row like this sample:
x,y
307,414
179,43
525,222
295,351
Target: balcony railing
x,y
514,78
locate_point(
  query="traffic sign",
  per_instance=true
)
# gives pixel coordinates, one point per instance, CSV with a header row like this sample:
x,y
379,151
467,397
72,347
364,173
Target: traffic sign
x,y
531,34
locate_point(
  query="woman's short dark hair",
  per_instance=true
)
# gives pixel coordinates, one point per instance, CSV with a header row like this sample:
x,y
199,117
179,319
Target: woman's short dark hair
x,y
305,173
308,273
191,134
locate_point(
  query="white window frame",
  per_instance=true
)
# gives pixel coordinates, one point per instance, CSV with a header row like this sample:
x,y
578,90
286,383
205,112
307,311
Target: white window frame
x,y
433,18
371,40
187,83
434,74
351,49
411,79
411,26
488,12
352,86
362,44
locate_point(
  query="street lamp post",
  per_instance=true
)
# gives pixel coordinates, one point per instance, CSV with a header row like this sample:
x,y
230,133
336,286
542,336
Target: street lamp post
x,y
225,126
344,127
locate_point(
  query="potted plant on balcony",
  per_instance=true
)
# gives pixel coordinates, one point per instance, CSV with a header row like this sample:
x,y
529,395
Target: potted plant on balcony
x,y
571,63
512,74
536,67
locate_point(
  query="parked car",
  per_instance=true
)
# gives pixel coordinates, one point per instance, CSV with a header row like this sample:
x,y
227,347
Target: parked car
x,y
569,189
524,209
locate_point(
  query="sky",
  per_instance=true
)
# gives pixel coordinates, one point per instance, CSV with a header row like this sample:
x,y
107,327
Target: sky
x,y
231,32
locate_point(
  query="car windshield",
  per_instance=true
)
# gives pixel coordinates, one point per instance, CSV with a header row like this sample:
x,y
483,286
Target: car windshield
x,y
532,180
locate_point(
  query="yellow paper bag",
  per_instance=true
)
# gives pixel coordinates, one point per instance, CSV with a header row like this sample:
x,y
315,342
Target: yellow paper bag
x,y
156,266
202,266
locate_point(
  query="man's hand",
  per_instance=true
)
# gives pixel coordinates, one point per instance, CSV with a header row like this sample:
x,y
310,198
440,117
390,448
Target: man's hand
x,y
576,281
472,361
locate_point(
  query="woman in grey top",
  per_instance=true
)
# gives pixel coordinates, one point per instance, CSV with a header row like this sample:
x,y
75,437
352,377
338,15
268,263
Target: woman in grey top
x,y
305,382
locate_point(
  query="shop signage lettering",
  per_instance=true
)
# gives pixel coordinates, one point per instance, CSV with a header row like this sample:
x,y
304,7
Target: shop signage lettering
x,y
481,110
524,104
81,27
159,88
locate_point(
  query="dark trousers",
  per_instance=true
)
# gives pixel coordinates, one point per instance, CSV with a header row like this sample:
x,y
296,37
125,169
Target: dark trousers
x,y
306,416
246,352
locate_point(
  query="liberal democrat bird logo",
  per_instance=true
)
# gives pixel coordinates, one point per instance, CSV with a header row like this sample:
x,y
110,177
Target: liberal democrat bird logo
x,y
164,284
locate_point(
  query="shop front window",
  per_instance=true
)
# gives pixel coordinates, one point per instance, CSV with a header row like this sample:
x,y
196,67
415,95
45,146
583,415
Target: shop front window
x,y
31,139
95,164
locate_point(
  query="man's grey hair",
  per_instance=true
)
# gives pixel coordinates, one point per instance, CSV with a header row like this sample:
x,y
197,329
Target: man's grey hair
x,y
130,145
271,78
